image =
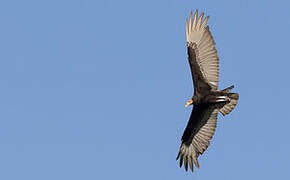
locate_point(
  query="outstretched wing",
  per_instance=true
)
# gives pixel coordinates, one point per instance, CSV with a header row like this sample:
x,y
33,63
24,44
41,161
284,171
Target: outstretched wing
x,y
197,134
202,54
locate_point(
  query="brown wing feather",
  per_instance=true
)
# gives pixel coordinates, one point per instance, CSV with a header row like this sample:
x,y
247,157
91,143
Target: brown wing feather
x,y
200,83
197,134
202,54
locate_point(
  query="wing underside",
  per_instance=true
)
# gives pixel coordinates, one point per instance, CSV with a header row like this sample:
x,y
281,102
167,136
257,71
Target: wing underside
x,y
204,62
197,135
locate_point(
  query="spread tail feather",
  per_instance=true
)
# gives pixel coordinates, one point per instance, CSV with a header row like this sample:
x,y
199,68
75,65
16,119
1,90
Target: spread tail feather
x,y
227,108
227,90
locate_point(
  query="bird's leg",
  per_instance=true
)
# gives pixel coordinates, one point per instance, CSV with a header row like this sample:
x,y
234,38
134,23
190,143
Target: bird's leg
x,y
218,99
222,99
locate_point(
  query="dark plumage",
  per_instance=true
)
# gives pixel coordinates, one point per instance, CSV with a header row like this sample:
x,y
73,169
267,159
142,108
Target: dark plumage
x,y
207,99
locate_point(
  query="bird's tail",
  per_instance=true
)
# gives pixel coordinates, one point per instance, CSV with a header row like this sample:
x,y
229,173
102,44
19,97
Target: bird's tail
x,y
228,107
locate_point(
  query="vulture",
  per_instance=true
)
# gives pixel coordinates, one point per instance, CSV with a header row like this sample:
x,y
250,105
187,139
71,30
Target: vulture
x,y
207,100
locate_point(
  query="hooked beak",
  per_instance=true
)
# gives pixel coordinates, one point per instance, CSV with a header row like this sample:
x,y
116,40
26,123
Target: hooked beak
x,y
189,102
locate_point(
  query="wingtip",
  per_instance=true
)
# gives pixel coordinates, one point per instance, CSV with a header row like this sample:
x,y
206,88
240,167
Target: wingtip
x,y
190,164
196,162
198,26
178,156
181,161
185,163
196,12
190,23
195,18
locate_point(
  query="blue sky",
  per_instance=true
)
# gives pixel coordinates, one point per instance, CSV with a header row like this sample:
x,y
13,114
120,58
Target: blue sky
x,y
96,89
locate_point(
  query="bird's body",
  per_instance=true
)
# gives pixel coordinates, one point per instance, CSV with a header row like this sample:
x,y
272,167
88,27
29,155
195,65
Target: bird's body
x,y
207,99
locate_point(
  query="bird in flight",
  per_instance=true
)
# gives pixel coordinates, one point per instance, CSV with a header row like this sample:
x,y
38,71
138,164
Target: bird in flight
x,y
207,100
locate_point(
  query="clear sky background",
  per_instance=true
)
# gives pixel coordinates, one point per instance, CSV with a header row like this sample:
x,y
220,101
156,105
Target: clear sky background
x,y
96,89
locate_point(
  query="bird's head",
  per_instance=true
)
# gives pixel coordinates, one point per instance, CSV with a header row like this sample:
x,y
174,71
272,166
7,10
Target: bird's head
x,y
189,102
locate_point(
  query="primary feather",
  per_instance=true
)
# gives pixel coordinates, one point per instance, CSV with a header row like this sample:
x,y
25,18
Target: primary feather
x,y
199,39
